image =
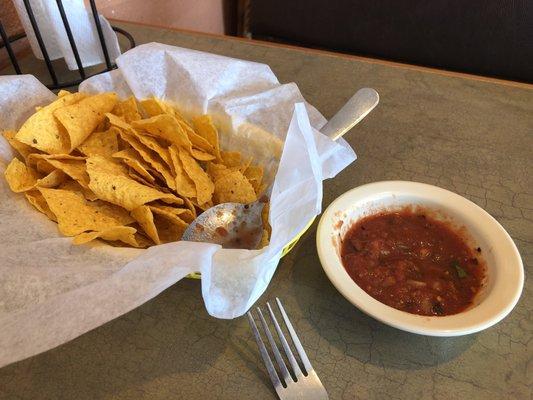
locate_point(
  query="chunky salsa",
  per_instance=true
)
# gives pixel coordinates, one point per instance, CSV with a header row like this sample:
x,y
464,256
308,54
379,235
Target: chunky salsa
x,y
413,262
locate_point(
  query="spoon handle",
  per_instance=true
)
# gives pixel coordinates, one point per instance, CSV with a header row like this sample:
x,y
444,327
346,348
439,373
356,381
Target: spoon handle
x,y
361,103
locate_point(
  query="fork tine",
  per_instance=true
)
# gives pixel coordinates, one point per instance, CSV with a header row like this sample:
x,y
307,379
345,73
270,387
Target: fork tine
x,y
277,355
295,339
264,353
294,364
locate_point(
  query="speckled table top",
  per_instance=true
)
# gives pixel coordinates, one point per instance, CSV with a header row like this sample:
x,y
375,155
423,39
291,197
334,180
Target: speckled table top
x,y
466,135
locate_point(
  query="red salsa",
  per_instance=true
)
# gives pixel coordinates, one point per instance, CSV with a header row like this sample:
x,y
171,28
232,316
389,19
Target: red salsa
x,y
413,262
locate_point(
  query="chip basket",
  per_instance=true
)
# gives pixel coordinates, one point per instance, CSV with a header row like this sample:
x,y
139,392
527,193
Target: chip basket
x,y
284,252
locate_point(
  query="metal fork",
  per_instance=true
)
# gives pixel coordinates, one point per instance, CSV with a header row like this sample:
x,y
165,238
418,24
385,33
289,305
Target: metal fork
x,y
289,386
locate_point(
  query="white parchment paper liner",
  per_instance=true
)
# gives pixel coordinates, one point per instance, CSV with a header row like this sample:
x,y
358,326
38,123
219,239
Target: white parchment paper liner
x,y
54,34
52,291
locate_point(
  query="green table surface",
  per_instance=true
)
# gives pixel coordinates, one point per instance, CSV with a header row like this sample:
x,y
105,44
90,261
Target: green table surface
x,y
471,136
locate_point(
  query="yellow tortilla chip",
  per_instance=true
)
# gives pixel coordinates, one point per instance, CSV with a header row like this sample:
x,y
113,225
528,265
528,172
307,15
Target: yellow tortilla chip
x,y
100,143
74,186
36,199
183,213
144,217
44,132
202,182
127,109
205,128
184,184
81,119
234,188
154,145
153,107
20,177
201,155
133,175
151,158
62,93
189,204
76,215
196,140
231,158
166,127
72,166
265,218
119,123
264,239
254,174
23,149
167,230
109,183
124,234
133,160
217,171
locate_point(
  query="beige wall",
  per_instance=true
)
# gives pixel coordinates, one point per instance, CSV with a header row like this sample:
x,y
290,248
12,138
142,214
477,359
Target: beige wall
x,y
196,15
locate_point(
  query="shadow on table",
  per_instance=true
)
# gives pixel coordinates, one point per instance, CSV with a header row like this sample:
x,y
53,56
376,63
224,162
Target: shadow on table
x,y
160,338
354,333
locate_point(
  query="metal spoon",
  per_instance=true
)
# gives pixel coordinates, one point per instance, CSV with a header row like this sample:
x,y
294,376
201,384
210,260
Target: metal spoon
x,y
240,226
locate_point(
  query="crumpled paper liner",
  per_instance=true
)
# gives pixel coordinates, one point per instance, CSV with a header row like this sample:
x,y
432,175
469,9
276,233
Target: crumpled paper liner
x,y
52,291
54,34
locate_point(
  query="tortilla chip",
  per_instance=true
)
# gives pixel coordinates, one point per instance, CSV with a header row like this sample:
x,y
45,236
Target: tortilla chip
x,y
154,145
201,155
234,188
110,183
189,204
231,158
100,143
76,215
254,174
133,175
196,140
74,186
264,239
202,182
144,217
44,132
265,218
133,160
184,184
151,158
81,119
124,234
205,128
167,230
20,177
183,213
216,171
23,149
152,107
119,123
166,127
127,109
71,165
36,199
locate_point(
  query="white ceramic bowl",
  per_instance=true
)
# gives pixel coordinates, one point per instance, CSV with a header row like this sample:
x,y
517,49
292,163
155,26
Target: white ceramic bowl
x,y
505,273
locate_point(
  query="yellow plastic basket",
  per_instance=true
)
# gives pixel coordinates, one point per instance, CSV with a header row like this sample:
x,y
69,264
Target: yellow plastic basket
x,y
284,252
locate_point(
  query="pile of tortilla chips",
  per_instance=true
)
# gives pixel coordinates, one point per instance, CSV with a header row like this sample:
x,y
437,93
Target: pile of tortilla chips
x,y
130,173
